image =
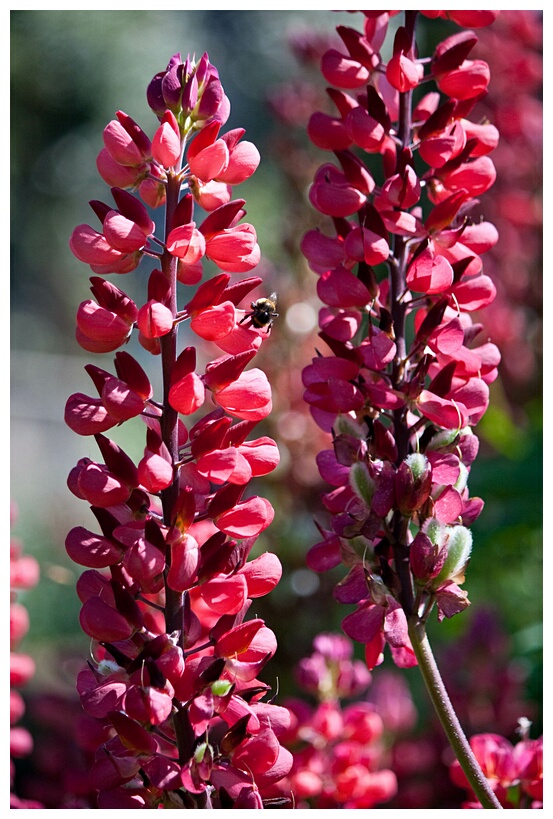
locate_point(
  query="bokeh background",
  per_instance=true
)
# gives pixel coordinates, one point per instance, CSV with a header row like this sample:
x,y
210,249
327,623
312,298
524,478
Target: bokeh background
x,y
70,72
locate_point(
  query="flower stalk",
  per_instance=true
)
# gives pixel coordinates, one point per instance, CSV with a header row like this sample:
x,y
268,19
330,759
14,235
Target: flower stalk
x,y
400,273
168,583
448,718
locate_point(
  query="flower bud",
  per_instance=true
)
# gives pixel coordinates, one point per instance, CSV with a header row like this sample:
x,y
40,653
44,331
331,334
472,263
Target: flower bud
x,y
443,439
459,547
108,667
220,688
413,483
361,482
425,557
435,531
462,481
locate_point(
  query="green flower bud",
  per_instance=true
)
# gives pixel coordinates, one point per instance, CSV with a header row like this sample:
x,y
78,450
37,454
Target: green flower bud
x,y
200,752
418,464
442,439
220,688
459,547
435,531
413,481
461,482
361,482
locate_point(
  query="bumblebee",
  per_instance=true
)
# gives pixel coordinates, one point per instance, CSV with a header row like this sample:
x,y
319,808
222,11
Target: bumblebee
x,y
263,312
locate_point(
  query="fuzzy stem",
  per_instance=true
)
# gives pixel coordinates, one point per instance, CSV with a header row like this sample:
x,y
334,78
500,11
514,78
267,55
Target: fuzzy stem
x,y
448,717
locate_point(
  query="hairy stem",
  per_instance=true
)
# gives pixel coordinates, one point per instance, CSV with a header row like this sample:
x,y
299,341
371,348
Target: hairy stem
x,y
448,717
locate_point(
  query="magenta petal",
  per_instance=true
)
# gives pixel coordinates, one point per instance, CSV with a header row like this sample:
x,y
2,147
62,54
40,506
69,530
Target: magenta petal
x,y
163,773
280,769
246,519
103,699
231,779
365,623
403,656
353,588
451,599
341,288
87,416
395,625
102,622
325,555
448,506
93,551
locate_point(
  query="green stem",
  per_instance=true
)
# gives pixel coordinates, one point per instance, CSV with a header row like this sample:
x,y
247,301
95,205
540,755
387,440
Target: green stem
x,y
448,717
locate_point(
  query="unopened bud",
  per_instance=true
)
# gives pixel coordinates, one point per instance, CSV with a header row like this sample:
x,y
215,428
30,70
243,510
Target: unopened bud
x,y
362,483
442,439
435,531
364,550
461,482
413,482
459,547
220,688
425,557
200,752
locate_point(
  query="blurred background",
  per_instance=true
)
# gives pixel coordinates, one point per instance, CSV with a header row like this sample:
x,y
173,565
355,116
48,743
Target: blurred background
x,y
70,72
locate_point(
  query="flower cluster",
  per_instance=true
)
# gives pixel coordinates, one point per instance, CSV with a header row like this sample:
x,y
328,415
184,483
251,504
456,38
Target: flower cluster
x,y
514,771
168,582
24,574
337,748
513,48
400,274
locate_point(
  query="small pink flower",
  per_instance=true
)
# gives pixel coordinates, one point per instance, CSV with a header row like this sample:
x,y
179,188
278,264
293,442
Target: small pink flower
x,y
249,397
187,243
234,249
166,144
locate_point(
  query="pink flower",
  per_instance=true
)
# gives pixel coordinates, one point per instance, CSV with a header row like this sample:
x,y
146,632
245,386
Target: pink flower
x,y
249,397
234,249
166,144
187,243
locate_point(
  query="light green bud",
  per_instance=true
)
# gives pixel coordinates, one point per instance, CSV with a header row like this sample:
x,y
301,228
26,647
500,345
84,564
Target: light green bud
x,y
220,688
435,531
443,438
418,464
459,547
361,482
461,482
